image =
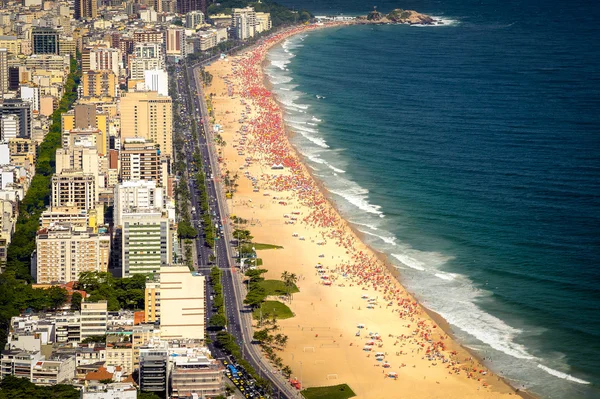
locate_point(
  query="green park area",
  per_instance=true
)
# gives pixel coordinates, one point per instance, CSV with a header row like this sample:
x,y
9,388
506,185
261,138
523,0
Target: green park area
x,y
341,391
272,308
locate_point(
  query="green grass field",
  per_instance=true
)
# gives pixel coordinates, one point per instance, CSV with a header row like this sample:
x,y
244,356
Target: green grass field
x,y
277,287
341,391
260,247
280,310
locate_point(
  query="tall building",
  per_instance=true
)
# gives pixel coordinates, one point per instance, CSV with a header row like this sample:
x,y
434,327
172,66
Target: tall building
x,y
157,80
136,194
152,302
84,158
31,94
9,127
146,56
85,116
263,22
175,43
64,252
94,318
3,72
148,115
88,137
99,84
194,373
22,110
74,188
185,6
86,9
146,242
193,19
141,161
101,58
45,41
243,21
148,36
153,368
181,303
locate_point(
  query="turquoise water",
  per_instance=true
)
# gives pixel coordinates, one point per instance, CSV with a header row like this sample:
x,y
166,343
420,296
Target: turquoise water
x,y
469,153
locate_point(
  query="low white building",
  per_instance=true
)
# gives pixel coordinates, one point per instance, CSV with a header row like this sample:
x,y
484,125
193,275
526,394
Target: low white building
x,y
117,390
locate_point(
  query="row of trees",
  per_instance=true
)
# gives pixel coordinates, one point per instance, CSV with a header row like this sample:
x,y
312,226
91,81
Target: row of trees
x,y
271,342
208,227
219,319
16,294
18,388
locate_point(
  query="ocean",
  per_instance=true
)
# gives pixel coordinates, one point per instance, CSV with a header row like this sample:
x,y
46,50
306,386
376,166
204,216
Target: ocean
x,y
469,154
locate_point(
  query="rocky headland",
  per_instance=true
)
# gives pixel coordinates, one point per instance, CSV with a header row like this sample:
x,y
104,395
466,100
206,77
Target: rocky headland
x,y
398,16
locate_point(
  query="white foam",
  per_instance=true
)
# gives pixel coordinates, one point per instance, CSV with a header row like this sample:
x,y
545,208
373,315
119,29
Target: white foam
x,y
316,119
562,375
338,170
292,104
365,224
388,240
410,262
280,64
357,196
459,309
446,276
279,79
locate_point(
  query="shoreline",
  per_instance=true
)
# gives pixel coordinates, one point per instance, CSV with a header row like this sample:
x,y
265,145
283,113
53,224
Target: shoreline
x,y
393,270
381,257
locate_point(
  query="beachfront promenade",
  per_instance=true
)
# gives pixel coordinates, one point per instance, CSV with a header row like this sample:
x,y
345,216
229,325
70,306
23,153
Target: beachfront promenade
x,y
239,319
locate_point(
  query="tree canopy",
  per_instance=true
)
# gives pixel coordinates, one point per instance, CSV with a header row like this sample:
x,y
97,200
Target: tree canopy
x,y
17,388
120,293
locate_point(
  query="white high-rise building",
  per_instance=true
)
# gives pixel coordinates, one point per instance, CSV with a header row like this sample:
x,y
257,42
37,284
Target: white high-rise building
x,y
101,59
157,80
146,56
193,19
136,194
9,127
243,21
31,94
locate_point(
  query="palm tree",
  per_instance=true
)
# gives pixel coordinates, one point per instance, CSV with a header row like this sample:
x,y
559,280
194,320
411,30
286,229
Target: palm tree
x,y
284,276
291,280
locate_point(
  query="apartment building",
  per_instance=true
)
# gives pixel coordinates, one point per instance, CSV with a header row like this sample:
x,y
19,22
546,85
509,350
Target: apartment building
x,y
148,115
94,318
181,303
146,242
99,83
136,194
63,252
73,187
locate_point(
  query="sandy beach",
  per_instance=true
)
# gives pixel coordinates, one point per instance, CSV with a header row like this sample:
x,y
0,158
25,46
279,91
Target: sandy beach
x,y
350,307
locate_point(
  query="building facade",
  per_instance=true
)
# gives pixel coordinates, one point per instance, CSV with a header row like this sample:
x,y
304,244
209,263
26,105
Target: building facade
x,y
148,115
94,317
64,252
146,242
45,41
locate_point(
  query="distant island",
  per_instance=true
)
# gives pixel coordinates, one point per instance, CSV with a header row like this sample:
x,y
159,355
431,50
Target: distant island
x,y
399,16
